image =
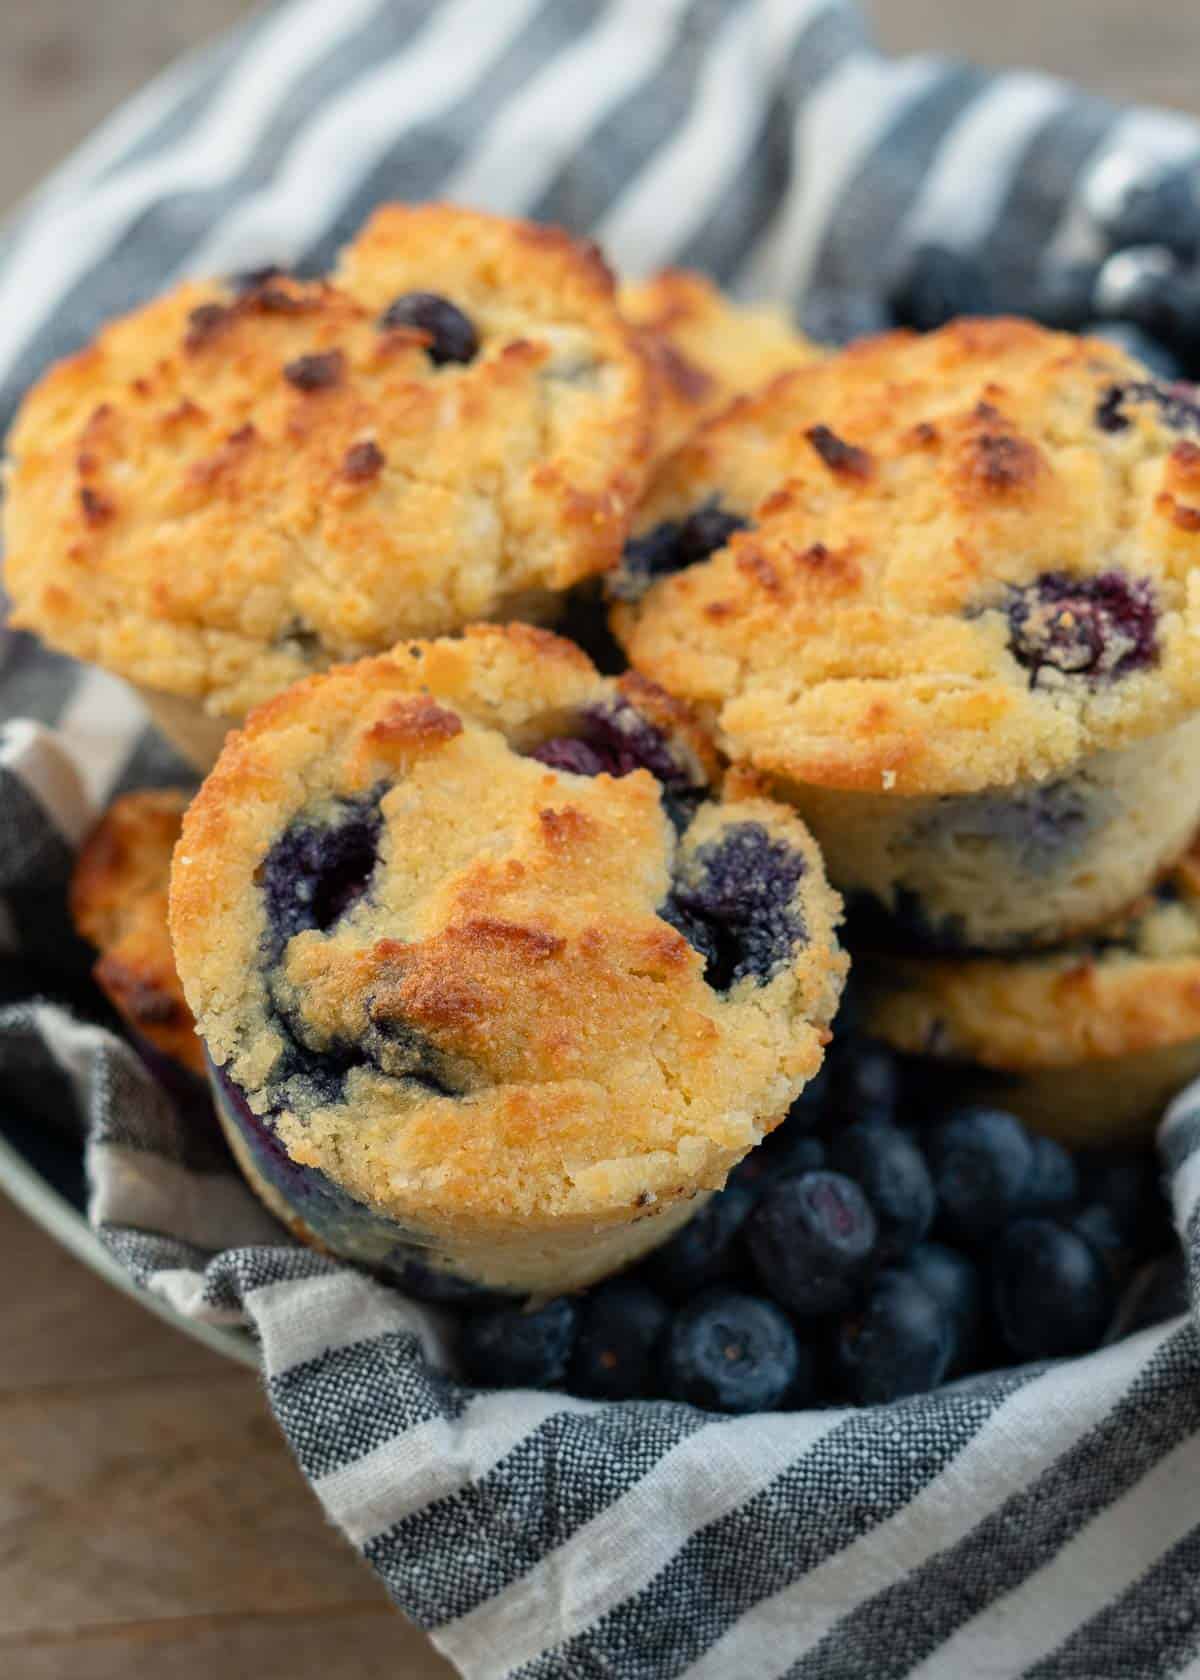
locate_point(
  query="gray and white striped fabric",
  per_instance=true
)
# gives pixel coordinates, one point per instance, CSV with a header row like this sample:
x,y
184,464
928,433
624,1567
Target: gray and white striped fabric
x,y
1041,1522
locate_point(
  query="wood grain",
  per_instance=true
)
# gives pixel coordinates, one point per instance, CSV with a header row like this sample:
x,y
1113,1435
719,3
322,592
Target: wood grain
x,y
152,1521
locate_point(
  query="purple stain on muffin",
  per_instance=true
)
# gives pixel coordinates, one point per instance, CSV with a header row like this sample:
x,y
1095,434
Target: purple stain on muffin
x,y
317,871
1177,404
1042,826
734,902
673,546
450,335
1101,628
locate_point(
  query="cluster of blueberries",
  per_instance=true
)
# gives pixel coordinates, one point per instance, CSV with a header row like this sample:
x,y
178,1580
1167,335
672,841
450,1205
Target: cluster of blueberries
x,y
1140,289
883,1240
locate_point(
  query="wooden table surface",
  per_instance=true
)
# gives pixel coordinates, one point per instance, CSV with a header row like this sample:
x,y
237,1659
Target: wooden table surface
x,y
152,1522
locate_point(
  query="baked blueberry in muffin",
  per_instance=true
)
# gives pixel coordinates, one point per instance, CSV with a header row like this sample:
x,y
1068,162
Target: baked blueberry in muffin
x,y
951,612
705,349
1088,1041
119,905
240,484
491,971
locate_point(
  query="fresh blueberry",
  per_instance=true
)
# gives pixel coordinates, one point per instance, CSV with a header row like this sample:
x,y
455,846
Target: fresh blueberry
x,y
704,1250
839,316
812,1240
938,285
866,1079
781,1154
899,1342
1099,1229
1100,627
731,1352
733,901
1159,1291
1136,342
1051,1291
451,334
515,1349
621,1324
1128,1183
1053,1183
890,1169
1134,206
952,1278
982,1159
1063,296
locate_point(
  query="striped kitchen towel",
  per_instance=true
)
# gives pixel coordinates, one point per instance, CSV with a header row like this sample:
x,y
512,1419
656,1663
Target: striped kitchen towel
x,y
1042,1521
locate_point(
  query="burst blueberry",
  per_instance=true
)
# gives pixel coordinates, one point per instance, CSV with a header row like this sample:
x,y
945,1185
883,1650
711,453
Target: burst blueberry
x,y
731,1352
734,903
1176,404
672,546
615,740
317,870
812,1241
451,335
1100,627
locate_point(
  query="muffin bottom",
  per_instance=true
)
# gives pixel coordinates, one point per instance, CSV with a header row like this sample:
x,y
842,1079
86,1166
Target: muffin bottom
x,y
538,1264
196,734
1111,1099
1012,867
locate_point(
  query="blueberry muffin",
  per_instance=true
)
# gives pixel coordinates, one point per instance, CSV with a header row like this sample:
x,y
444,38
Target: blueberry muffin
x,y
944,592
494,981
705,349
241,483
1088,1042
119,905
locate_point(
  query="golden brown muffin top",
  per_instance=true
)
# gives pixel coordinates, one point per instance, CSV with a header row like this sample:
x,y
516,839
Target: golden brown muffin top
x,y
706,349
119,905
929,564
233,487
451,973
1132,987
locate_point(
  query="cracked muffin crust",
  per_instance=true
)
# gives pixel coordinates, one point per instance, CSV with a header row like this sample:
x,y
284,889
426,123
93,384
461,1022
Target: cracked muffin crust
x,y
932,568
1094,1037
119,905
706,349
242,483
494,976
